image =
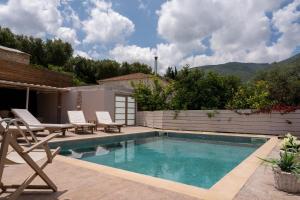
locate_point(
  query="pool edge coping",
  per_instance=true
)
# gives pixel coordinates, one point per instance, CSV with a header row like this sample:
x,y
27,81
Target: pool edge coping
x,y
226,188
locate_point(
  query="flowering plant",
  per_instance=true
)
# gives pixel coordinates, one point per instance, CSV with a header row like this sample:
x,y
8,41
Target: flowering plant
x,y
290,143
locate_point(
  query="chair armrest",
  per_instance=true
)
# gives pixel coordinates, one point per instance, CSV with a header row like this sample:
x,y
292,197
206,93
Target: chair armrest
x,y
40,143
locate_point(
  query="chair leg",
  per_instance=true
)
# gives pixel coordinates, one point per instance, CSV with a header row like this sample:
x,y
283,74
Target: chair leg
x,y
38,170
64,132
2,187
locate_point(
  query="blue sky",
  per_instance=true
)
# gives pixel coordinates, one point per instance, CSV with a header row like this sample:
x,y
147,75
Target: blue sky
x,y
194,32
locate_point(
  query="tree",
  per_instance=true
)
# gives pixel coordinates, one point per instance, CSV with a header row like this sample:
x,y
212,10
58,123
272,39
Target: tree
x,y
7,38
151,97
254,96
191,89
58,52
195,90
171,73
135,67
284,83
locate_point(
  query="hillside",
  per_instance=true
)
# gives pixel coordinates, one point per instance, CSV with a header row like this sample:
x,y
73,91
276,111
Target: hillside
x,y
246,71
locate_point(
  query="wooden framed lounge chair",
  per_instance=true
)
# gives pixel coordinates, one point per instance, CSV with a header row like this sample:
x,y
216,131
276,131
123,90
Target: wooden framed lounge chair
x,y
23,128
27,117
11,152
104,120
76,117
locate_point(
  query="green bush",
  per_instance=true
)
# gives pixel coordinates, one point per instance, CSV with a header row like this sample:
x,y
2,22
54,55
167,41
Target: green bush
x,y
191,89
252,96
284,83
151,97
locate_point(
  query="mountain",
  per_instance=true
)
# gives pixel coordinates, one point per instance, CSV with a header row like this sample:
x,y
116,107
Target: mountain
x,y
246,71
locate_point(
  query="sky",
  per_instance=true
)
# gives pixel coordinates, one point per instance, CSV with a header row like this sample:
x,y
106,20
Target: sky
x,y
179,32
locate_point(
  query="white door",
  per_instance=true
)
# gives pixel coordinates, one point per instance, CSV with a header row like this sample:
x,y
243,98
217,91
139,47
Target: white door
x,y
125,110
130,111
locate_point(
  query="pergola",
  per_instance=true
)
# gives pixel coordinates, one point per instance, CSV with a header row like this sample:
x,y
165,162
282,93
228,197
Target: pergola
x,y
29,86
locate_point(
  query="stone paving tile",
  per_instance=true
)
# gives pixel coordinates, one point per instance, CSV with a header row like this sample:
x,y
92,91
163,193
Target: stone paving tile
x,y
80,183
76,183
260,186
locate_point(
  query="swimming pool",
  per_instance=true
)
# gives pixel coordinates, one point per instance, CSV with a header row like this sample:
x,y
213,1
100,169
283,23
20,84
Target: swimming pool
x,y
194,159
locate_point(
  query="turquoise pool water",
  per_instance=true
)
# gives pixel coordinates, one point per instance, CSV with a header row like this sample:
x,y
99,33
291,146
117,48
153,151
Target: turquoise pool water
x,y
194,161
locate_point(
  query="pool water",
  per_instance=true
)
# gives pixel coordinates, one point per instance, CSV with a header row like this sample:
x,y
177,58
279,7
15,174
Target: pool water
x,y
193,161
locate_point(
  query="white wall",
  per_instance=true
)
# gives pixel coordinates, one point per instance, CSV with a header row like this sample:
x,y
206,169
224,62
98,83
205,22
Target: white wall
x,y
92,99
273,123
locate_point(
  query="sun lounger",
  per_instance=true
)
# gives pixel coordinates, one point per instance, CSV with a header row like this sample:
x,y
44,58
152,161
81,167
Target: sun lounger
x,y
27,117
104,120
76,117
24,128
13,153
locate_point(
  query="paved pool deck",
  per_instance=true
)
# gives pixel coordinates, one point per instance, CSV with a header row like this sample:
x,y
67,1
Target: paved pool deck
x,y
77,182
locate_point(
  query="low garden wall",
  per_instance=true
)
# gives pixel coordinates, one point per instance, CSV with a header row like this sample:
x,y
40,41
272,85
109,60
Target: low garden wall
x,y
243,121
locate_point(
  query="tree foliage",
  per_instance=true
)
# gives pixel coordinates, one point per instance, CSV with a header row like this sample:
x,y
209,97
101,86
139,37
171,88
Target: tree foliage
x,y
195,89
44,53
191,89
253,96
151,96
284,83
90,71
58,56
171,73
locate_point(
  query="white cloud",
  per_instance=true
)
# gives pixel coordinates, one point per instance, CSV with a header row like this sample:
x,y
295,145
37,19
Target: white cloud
x,y
133,53
67,35
168,55
105,25
70,16
31,17
82,54
239,30
142,5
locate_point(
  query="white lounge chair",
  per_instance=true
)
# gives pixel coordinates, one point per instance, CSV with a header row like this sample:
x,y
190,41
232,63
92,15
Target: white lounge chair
x,y
104,120
13,153
23,128
27,117
76,117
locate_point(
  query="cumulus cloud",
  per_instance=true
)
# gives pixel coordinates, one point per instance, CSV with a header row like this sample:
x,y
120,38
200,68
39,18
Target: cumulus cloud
x,y
133,53
31,17
168,55
238,30
81,54
67,35
70,15
105,25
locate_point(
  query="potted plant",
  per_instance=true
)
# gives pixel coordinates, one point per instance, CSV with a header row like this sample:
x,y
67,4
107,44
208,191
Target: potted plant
x,y
286,171
290,143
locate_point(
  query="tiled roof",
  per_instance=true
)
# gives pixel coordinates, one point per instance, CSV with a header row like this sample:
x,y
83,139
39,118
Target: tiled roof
x,y
127,77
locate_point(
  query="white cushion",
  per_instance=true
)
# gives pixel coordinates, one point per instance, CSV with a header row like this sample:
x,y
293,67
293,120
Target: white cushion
x,y
26,116
76,117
